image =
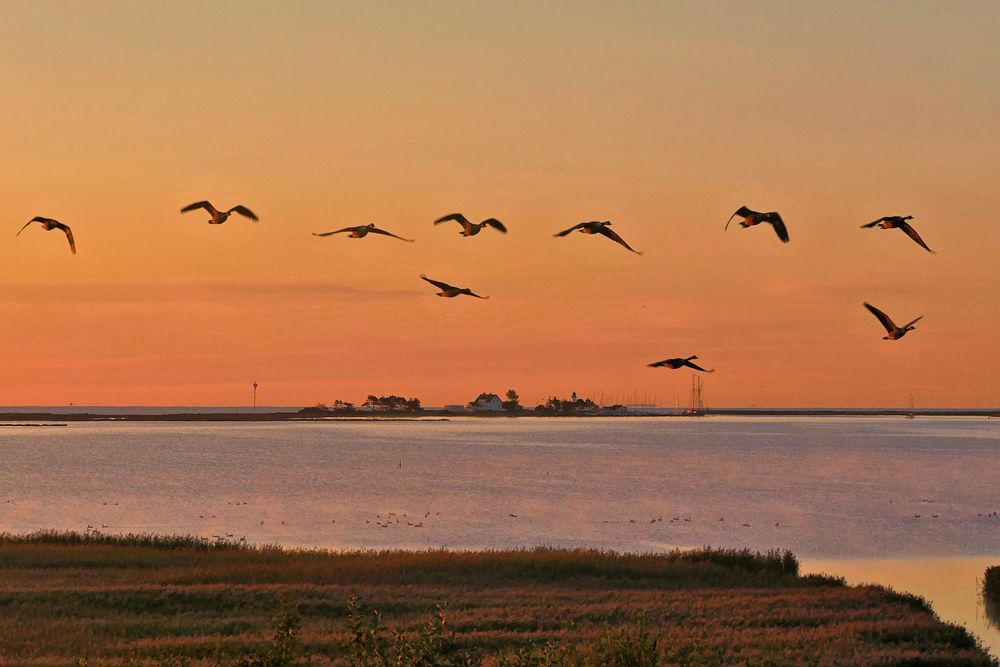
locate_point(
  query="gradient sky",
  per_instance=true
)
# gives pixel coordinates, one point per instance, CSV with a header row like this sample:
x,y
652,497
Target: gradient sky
x,y
662,117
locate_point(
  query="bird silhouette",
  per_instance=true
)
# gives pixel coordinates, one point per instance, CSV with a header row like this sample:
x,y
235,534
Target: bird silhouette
x,y
894,332
362,231
679,362
598,227
48,224
899,222
219,217
470,228
450,291
751,218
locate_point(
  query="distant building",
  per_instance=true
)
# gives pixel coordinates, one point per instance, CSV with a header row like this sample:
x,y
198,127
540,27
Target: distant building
x,y
454,408
486,403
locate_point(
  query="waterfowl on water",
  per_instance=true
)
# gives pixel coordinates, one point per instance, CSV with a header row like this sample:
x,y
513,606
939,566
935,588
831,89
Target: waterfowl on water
x,y
751,218
899,222
471,228
48,224
679,362
362,231
450,291
894,332
598,227
219,217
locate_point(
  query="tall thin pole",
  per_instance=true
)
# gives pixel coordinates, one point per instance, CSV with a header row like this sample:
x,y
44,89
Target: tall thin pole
x,y
255,397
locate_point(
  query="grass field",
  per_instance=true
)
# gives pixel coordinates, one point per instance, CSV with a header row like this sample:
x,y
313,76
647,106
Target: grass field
x,y
70,599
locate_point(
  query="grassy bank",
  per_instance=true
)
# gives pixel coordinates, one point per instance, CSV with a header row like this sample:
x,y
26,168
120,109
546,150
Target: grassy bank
x,y
165,600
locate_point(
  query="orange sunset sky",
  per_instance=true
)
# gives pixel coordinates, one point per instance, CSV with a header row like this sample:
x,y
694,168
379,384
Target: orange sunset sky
x,y
662,117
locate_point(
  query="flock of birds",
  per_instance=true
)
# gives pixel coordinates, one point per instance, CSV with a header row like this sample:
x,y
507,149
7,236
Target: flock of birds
x,y
750,218
433,520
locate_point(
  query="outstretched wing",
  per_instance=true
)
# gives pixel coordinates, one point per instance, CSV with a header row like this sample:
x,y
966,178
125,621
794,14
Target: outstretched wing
x,y
471,293
882,317
742,211
872,224
200,204
912,233
571,229
779,226
376,230
68,232
437,283
457,217
495,224
345,229
698,368
26,225
910,324
244,211
658,364
610,233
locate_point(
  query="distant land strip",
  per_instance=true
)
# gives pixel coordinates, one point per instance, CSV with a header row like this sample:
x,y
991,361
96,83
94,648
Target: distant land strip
x,y
18,418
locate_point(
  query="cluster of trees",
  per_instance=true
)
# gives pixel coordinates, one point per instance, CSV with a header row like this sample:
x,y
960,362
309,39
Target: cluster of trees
x,y
558,405
391,403
513,402
373,403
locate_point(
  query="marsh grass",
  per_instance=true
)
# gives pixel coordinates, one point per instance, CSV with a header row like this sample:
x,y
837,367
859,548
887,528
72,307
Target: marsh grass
x,y
991,595
991,583
179,601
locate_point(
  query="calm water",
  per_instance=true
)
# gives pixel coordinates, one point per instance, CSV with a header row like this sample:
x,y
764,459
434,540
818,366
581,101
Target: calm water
x,y
842,493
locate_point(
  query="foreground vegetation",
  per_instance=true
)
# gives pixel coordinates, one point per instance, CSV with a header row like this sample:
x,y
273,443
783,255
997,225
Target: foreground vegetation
x,y
71,599
991,594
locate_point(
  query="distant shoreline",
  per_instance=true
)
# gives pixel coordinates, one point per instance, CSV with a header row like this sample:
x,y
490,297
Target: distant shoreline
x,y
444,415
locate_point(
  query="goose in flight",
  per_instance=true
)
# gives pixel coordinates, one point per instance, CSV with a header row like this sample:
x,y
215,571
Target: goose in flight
x,y
219,217
751,218
469,228
895,333
679,362
362,231
48,224
899,222
451,291
596,227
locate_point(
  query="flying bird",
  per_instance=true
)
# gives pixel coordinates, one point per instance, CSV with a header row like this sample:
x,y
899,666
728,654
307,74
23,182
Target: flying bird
x,y
596,227
219,217
451,291
895,333
679,362
899,222
751,218
48,224
362,231
470,228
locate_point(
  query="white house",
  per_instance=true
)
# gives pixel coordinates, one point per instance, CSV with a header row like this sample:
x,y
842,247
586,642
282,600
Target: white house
x,y
486,403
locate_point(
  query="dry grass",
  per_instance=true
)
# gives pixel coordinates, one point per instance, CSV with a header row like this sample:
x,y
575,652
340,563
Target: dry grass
x,y
146,600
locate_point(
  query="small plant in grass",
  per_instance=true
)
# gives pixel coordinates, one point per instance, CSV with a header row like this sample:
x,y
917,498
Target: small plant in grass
x,y
631,646
433,645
